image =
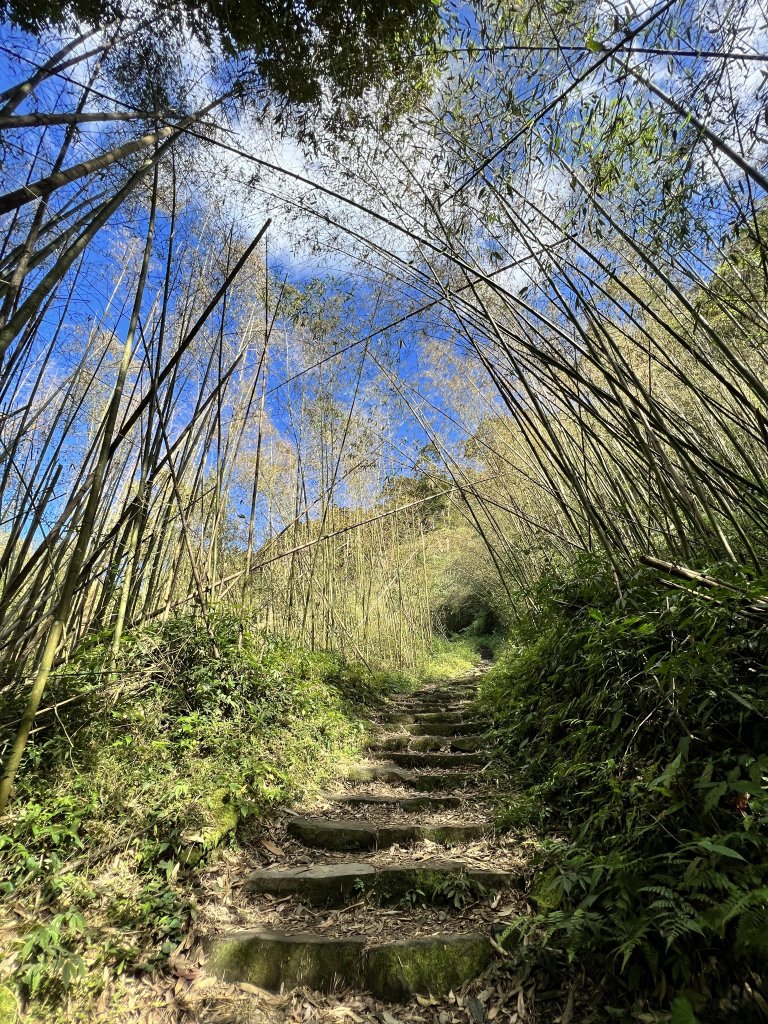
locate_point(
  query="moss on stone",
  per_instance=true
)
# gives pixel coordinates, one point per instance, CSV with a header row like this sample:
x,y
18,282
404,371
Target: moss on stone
x,y
399,970
271,959
430,759
468,744
223,818
391,885
395,970
219,818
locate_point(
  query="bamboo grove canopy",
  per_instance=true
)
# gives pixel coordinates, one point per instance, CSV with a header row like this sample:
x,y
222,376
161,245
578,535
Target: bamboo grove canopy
x,y
298,48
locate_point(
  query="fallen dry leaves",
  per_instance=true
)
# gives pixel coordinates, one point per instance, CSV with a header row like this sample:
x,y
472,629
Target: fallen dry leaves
x,y
169,999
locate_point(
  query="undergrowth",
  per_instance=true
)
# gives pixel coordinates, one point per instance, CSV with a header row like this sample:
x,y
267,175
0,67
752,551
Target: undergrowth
x,y
637,728
138,775
454,656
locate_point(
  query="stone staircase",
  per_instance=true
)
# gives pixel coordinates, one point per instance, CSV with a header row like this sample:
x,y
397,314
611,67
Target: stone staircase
x,y
395,885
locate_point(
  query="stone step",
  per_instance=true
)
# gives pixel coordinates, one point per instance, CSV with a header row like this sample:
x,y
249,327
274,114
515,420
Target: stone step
x,y
427,782
394,971
334,884
442,731
443,717
457,693
442,728
404,803
443,688
434,706
455,700
407,743
380,773
394,881
343,834
398,718
317,884
435,696
416,759
468,744
456,715
431,782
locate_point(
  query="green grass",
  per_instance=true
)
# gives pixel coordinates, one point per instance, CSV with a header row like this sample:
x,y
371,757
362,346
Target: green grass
x,y
450,658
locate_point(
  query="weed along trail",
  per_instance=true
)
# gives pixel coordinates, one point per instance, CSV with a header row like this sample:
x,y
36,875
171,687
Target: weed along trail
x,y
386,899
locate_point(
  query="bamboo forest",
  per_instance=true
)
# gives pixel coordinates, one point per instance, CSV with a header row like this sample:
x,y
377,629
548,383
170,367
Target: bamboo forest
x,y
384,512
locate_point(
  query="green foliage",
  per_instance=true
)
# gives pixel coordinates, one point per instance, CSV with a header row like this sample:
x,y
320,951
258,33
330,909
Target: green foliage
x,y
8,1006
637,727
469,613
456,891
49,954
682,1011
450,658
204,730
414,898
295,47
429,485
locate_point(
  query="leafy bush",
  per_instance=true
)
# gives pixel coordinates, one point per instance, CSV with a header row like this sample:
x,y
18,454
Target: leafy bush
x,y
637,728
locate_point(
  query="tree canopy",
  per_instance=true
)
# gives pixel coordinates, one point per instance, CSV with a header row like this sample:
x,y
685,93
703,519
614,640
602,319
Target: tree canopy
x,y
296,47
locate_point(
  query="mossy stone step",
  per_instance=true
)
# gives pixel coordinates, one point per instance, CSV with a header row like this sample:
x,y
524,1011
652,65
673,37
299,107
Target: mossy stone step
x,y
337,834
468,744
394,970
333,884
434,965
441,717
455,700
407,743
380,773
435,707
443,728
459,693
448,834
272,959
393,717
318,884
427,876
426,782
437,704
404,803
456,716
432,782
416,759
426,743
389,743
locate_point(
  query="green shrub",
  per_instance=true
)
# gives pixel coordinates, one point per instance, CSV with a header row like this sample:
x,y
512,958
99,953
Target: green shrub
x,y
637,728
